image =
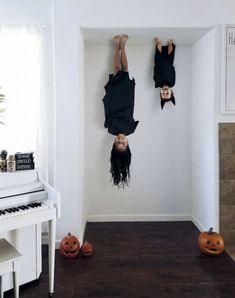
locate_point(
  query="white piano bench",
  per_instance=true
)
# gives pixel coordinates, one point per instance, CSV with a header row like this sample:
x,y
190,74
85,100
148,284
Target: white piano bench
x,y
9,259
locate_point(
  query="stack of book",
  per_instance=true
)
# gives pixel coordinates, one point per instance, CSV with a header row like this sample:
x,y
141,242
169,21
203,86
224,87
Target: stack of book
x,y
24,161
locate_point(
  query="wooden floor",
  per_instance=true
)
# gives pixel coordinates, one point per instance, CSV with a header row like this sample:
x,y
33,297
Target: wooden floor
x,y
139,260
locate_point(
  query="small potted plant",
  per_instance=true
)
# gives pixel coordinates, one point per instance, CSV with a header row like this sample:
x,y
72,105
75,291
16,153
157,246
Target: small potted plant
x,y
2,97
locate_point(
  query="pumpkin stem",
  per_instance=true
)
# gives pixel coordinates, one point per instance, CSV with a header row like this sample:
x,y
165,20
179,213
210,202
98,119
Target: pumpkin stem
x,y
69,234
210,231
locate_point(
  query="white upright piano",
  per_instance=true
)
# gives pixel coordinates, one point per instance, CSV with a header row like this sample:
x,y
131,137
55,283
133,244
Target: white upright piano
x,y
25,202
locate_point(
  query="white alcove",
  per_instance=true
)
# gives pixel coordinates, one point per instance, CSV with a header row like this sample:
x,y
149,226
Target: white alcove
x,y
173,170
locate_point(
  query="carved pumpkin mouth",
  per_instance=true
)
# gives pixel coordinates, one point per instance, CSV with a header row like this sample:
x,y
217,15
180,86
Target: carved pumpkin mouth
x,y
70,251
87,252
213,250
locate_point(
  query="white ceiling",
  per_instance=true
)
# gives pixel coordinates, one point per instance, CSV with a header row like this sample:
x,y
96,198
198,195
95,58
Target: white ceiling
x,y
143,36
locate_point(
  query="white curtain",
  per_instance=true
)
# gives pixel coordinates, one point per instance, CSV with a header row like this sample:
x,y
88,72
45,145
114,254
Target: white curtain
x,y
23,80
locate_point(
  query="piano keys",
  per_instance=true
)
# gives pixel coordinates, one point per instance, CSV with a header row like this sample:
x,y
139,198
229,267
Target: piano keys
x,y
12,211
25,200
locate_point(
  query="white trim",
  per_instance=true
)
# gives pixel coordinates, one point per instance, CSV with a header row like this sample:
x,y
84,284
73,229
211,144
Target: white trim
x,y
138,217
131,218
57,241
81,239
223,70
217,179
44,238
46,242
224,109
197,223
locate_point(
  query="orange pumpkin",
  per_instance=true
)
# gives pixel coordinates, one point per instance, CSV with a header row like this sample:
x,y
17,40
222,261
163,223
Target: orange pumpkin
x,y
69,246
211,243
87,249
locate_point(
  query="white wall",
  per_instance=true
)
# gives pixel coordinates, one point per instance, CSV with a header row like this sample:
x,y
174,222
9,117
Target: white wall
x,y
69,130
182,13
204,131
25,12
68,16
62,21
81,149
160,145
155,13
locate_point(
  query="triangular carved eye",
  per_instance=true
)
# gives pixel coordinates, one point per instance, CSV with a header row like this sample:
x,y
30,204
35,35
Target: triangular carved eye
x,y
208,242
218,242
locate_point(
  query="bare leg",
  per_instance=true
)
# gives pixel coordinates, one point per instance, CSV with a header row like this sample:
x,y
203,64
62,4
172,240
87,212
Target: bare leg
x,y
116,61
170,46
124,62
158,44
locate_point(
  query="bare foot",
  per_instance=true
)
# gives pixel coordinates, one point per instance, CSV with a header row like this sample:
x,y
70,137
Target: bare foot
x,y
117,40
158,44
124,38
157,40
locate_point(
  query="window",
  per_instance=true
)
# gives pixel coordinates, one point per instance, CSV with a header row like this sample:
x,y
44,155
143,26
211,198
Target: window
x,y
20,82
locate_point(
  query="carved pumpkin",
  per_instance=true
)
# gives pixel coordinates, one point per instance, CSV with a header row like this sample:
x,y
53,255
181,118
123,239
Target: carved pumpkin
x,y
87,249
211,243
69,246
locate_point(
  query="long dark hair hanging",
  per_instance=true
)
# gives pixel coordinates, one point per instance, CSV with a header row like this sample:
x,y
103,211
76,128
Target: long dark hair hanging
x,y
120,166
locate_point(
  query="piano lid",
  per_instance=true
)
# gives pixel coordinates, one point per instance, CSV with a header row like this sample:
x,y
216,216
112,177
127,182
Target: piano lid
x,y
20,189
17,178
18,183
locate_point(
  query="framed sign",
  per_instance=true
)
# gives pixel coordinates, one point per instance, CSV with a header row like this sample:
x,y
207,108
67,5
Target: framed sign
x,y
228,70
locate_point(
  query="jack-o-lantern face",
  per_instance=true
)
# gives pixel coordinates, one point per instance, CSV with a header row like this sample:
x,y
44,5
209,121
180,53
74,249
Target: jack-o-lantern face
x,y
211,243
87,249
69,246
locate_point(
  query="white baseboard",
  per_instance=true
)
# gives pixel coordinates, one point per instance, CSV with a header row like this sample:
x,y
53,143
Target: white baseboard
x,y
83,234
57,241
139,217
198,224
46,242
131,218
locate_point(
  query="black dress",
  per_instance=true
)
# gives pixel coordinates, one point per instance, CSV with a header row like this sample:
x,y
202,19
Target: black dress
x,y
119,104
164,71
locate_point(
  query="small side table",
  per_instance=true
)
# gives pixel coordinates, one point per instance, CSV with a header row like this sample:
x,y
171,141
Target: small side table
x,y
9,259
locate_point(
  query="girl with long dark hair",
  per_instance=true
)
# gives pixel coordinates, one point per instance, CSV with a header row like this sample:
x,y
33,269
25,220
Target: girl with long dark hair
x,y
164,70
119,108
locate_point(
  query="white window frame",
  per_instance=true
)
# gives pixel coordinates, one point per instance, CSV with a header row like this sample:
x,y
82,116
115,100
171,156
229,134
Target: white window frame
x,y
225,106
